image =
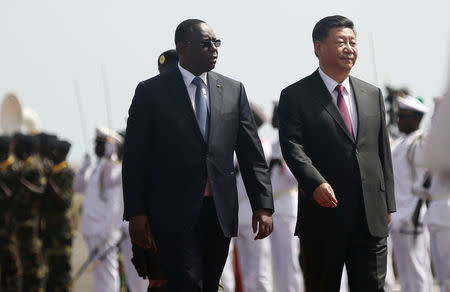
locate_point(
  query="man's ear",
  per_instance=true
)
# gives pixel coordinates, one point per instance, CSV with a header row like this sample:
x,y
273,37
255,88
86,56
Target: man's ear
x,y
317,46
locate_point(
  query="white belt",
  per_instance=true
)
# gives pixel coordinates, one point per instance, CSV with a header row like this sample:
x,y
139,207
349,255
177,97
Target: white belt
x,y
282,194
439,197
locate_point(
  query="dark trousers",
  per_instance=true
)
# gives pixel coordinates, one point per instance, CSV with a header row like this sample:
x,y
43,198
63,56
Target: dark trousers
x,y
193,261
324,253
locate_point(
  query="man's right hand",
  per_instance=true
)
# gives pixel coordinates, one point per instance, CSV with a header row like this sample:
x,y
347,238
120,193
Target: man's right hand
x,y
86,162
139,229
324,196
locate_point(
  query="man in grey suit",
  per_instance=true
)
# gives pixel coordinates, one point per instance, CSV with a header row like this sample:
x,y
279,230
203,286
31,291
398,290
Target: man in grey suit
x,y
178,174
334,140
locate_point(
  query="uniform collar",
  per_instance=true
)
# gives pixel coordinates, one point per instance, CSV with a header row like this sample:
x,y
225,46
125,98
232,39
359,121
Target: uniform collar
x,y
58,167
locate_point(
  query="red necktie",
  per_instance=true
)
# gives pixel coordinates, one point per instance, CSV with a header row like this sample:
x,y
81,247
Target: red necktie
x,y
207,192
343,108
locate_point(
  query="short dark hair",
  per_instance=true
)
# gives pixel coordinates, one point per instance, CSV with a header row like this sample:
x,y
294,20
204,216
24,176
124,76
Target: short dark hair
x,y
185,28
323,27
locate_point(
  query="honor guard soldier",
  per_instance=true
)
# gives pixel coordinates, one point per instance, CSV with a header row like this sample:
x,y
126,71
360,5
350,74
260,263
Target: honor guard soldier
x,y
45,140
101,209
436,190
9,260
134,282
58,218
167,60
437,220
410,241
27,205
285,246
254,255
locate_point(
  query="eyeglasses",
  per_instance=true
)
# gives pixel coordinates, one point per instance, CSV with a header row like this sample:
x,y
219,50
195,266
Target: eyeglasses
x,y
208,43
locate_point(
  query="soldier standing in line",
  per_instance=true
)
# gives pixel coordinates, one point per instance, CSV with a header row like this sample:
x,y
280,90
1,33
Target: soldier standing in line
x,y
58,218
10,271
101,208
411,242
285,247
167,60
134,282
436,190
254,255
43,150
27,203
45,139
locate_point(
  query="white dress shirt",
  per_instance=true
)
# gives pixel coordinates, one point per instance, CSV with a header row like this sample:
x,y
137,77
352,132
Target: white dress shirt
x,y
191,87
349,99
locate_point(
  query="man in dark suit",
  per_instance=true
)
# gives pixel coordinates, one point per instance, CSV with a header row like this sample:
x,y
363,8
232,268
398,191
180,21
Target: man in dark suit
x,y
178,174
334,140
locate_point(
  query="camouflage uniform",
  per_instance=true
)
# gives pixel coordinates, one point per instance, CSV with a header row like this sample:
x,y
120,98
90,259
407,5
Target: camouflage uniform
x,y
59,229
26,208
10,271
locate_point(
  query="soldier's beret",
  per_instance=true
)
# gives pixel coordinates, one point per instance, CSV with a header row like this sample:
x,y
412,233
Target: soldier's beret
x,y
61,146
169,56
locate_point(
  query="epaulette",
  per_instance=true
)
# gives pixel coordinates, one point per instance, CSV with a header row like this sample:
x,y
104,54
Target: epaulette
x,y
5,164
58,167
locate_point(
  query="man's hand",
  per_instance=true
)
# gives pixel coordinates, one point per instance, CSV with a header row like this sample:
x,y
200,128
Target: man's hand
x,y
324,196
263,220
139,229
86,162
389,218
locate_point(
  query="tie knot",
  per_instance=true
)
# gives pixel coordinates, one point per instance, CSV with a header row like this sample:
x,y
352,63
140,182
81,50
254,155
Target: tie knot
x,y
198,81
340,89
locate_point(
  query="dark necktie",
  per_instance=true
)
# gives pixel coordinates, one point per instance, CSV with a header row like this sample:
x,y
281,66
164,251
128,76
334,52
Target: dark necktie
x,y
201,108
343,108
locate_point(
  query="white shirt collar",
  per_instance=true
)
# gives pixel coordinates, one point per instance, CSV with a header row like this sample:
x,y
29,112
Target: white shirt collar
x,y
330,83
188,76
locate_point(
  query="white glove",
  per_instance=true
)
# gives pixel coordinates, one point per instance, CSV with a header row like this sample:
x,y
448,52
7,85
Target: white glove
x,y
419,191
86,162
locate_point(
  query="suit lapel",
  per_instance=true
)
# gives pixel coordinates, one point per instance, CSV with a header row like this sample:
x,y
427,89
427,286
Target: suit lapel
x,y
178,91
326,100
360,102
215,102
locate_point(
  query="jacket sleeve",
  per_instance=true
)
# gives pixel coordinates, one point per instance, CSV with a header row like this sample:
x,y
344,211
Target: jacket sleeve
x,y
136,148
292,141
252,163
385,158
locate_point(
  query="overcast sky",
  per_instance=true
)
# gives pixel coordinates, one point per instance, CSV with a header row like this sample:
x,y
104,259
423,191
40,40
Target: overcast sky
x,y
47,45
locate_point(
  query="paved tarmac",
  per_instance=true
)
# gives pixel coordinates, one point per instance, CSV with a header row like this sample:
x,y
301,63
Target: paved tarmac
x,y
86,284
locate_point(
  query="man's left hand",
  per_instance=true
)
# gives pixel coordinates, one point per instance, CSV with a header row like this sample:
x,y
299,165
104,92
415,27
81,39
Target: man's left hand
x,y
389,218
262,219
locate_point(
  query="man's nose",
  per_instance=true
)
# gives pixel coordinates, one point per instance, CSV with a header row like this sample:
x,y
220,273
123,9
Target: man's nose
x,y
213,47
348,48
